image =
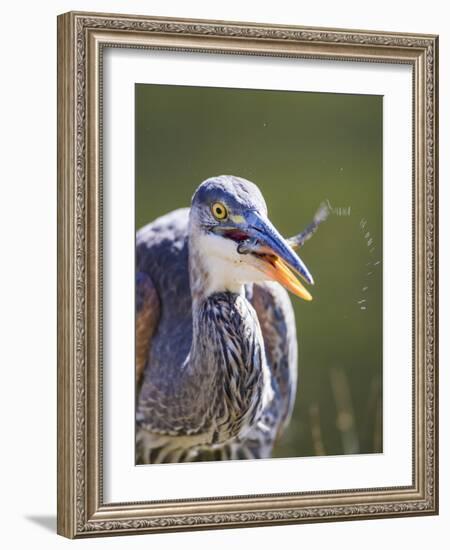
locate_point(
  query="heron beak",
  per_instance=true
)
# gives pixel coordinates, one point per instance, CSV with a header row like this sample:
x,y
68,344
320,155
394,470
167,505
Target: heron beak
x,y
275,257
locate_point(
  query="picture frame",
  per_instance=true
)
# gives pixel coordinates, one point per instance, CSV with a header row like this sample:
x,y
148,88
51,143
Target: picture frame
x,y
82,40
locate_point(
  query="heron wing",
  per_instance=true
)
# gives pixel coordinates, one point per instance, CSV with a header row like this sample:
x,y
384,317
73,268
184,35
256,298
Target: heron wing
x,y
147,317
162,255
276,317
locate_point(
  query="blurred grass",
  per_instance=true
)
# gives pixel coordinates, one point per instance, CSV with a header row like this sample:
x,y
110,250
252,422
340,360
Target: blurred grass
x,y
300,149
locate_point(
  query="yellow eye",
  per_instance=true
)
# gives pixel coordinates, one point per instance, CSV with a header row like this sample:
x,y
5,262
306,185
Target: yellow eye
x,y
219,211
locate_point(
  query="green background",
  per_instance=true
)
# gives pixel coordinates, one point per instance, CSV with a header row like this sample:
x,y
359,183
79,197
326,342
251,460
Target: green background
x,y
300,149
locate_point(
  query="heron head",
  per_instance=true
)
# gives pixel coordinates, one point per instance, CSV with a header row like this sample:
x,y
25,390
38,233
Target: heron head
x,y
235,241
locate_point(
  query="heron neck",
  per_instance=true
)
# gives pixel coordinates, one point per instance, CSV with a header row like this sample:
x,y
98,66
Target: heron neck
x,y
208,279
227,353
219,314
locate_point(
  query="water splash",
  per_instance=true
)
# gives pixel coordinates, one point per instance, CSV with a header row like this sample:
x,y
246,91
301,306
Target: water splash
x,y
372,265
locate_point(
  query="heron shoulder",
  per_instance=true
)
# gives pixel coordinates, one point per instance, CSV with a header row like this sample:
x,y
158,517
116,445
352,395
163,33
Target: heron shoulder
x,y
162,253
171,226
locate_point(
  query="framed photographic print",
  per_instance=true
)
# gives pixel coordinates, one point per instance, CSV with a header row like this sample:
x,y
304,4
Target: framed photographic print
x,y
247,274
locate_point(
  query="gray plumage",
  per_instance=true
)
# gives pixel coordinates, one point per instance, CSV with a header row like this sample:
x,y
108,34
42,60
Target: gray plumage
x,y
217,377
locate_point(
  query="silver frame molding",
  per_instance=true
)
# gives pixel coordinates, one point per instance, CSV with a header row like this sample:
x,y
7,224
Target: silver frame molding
x,y
81,39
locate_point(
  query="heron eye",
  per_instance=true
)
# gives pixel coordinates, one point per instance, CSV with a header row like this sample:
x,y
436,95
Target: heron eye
x,y
219,211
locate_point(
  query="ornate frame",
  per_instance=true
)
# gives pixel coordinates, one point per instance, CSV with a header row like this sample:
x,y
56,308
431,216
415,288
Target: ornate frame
x,y
81,37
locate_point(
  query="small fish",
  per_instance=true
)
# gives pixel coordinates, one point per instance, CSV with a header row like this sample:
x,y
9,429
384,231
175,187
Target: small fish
x,y
319,217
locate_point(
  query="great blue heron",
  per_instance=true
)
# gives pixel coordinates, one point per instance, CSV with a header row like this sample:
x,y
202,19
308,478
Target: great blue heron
x,y
216,344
